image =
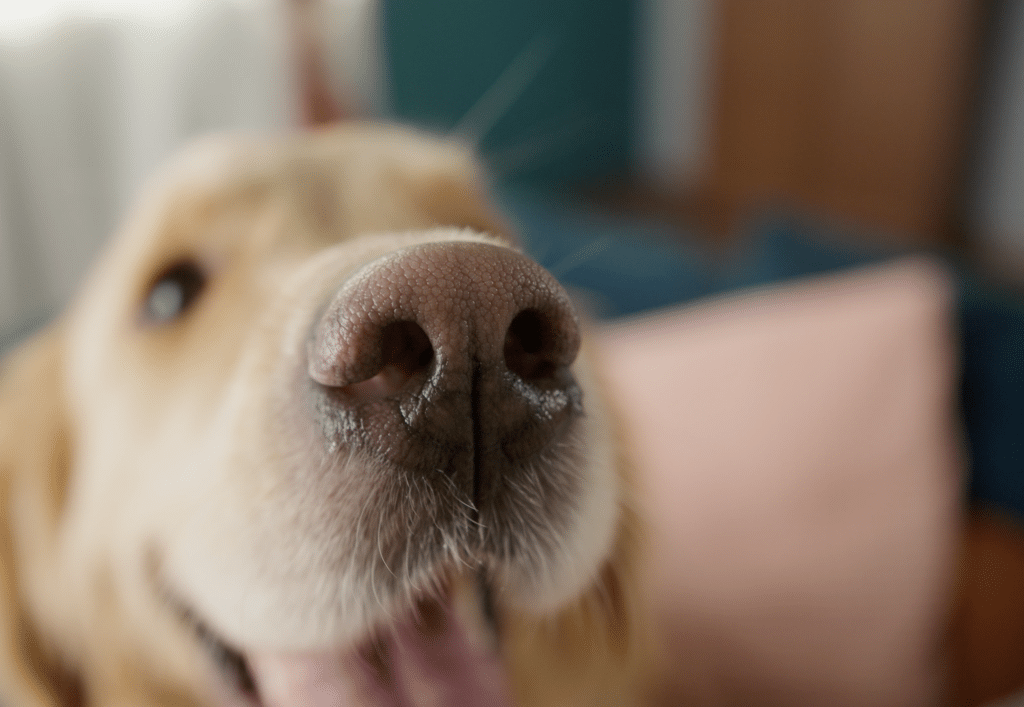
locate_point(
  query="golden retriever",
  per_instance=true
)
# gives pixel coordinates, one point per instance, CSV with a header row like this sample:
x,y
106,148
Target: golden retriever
x,y
315,433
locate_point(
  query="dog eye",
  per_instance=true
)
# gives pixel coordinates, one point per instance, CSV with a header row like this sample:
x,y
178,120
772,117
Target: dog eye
x,y
174,291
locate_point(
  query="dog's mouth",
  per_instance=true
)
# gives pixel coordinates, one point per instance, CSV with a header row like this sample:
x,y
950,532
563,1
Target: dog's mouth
x,y
445,650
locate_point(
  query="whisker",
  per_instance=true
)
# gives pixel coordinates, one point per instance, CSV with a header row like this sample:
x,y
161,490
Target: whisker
x,y
574,260
455,493
380,550
483,115
535,150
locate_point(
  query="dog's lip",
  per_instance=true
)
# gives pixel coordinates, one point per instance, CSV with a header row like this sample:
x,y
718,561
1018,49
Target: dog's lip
x,y
444,650
429,658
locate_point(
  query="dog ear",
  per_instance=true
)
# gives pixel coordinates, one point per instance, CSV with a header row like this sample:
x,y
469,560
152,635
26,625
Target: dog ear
x,y
35,454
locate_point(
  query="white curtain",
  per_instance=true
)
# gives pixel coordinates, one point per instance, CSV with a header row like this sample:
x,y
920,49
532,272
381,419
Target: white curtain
x,y
94,94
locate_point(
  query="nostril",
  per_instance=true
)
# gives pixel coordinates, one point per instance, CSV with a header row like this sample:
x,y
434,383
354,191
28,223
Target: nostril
x,y
406,346
406,353
531,346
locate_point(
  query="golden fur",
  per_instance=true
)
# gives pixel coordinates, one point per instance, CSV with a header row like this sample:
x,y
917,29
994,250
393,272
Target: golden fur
x,y
124,450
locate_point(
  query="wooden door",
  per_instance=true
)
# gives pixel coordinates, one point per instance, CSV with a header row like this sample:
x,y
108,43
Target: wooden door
x,y
856,110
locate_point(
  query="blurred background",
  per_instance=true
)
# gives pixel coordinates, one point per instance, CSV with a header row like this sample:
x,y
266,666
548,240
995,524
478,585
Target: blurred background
x,y
651,152
718,142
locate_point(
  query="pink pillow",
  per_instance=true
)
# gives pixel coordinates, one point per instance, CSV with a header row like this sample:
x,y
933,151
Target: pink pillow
x,y
801,466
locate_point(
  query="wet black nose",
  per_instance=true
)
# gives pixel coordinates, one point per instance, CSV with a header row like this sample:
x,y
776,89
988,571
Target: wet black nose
x,y
449,357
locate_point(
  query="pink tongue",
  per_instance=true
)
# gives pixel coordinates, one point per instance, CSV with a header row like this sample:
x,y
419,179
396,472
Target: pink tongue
x,y
431,661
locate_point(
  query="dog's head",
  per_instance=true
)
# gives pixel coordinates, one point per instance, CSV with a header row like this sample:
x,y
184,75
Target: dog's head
x,y
311,395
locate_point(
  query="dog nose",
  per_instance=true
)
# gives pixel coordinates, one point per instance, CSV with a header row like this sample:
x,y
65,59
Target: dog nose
x,y
451,357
